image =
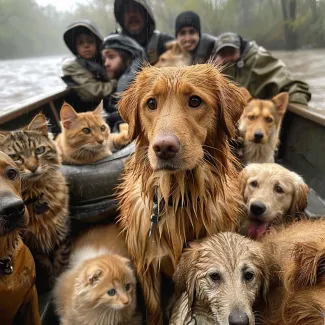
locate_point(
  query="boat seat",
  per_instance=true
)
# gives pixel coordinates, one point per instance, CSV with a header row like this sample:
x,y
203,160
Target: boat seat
x,y
316,205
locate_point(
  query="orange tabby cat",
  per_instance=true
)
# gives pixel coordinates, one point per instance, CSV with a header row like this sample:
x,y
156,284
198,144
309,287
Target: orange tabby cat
x,y
100,286
86,137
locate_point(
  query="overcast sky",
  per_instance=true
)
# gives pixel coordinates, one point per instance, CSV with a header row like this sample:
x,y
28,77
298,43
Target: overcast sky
x,y
60,4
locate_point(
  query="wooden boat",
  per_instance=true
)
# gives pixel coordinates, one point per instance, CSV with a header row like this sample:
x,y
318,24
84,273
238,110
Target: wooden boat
x,y
302,150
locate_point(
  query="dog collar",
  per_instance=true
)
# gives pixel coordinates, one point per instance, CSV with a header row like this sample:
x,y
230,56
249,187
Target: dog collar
x,y
6,266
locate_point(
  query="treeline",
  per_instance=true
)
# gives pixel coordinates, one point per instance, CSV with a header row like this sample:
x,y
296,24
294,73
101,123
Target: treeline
x,y
27,29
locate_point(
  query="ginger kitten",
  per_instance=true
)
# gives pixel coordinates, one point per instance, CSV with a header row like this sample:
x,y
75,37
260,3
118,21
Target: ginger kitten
x,y
45,193
100,286
86,137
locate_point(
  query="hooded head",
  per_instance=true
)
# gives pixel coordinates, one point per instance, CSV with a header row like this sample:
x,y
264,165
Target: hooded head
x,y
123,46
188,30
136,18
83,27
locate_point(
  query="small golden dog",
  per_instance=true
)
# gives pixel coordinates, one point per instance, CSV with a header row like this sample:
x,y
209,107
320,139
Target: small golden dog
x,y
18,294
300,253
175,56
181,182
218,279
259,127
273,195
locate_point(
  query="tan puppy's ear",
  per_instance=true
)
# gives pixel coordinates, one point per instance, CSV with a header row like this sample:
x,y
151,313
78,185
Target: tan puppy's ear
x,y
68,115
281,102
300,199
242,179
247,95
39,123
128,107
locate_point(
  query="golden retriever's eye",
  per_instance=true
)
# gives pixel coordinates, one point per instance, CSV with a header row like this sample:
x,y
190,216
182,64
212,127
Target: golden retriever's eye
x,y
14,157
152,104
86,130
321,268
253,184
39,150
111,292
278,189
194,101
103,128
162,60
269,119
215,276
251,117
248,275
11,174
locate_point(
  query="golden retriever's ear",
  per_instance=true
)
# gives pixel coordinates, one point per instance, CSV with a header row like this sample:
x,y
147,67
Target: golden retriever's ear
x,y
242,179
232,104
247,95
185,274
128,108
307,264
299,202
39,123
281,102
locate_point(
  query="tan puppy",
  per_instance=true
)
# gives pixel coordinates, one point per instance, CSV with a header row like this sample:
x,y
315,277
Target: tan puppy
x,y
259,126
273,195
219,279
175,56
18,295
299,251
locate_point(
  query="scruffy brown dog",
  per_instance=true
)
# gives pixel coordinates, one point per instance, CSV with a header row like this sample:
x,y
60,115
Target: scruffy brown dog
x,y
18,295
181,183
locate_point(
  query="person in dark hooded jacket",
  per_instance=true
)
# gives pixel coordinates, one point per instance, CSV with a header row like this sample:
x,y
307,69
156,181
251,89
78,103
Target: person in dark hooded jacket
x,y
137,21
122,58
84,73
201,46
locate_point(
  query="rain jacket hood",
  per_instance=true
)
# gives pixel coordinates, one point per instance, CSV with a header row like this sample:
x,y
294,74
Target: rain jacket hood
x,y
119,7
69,35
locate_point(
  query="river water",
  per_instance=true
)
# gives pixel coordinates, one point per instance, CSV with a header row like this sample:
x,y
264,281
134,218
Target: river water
x,y
25,78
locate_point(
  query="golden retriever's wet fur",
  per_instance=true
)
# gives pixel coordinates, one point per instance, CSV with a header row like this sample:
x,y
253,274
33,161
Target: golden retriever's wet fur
x,y
273,195
175,56
300,253
198,108
218,280
259,126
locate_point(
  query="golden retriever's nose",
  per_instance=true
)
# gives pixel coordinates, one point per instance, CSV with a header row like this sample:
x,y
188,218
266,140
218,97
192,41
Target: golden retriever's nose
x,y
238,317
258,208
166,146
258,136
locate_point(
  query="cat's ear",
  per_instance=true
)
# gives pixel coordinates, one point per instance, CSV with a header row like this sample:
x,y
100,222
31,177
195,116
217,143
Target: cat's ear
x,y
127,262
68,115
99,109
94,276
39,123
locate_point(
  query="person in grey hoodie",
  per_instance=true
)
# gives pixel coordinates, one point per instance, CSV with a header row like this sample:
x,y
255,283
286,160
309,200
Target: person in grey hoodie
x,y
137,21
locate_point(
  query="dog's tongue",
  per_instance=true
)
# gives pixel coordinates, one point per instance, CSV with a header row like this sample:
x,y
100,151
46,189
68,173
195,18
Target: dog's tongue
x,y
256,229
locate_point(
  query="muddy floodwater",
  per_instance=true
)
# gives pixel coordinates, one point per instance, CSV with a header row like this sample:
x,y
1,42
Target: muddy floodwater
x,y
25,78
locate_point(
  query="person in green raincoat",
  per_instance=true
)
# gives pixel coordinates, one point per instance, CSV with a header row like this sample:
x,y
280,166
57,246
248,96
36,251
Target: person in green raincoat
x,y
256,69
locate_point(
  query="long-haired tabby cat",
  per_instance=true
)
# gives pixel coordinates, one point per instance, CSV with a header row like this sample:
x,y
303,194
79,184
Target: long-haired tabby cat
x,y
100,286
86,137
45,193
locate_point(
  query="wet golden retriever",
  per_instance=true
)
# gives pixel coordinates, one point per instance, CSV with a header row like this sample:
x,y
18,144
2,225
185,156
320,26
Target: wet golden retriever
x,y
259,127
300,253
273,195
181,183
175,56
218,279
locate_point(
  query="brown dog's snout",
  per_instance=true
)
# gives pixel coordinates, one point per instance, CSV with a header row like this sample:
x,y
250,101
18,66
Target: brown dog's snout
x,y
258,136
12,208
238,317
166,146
